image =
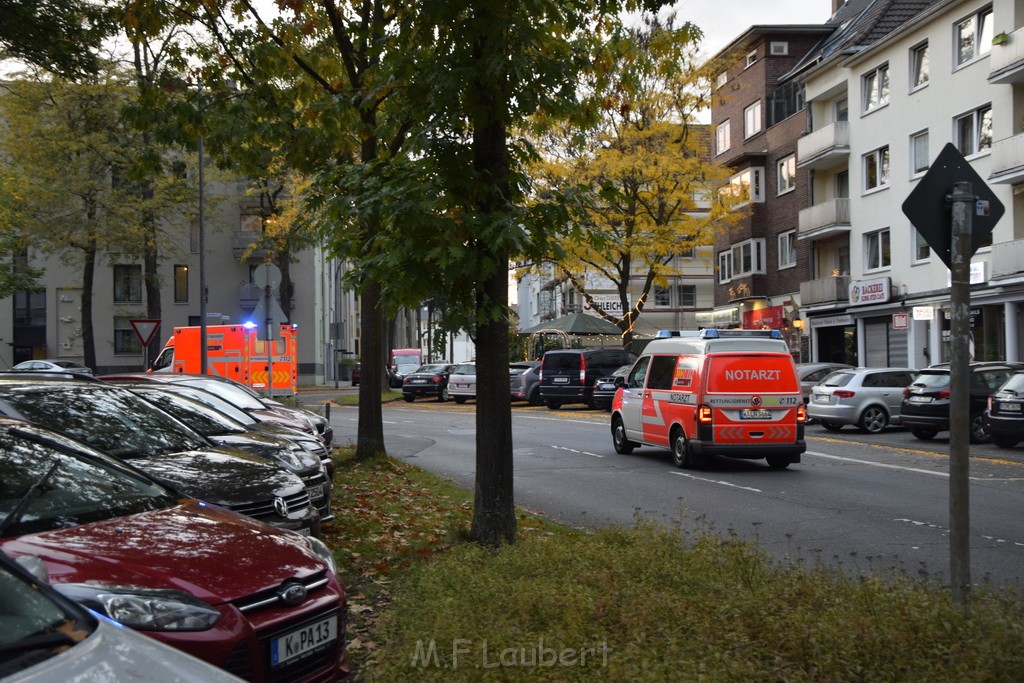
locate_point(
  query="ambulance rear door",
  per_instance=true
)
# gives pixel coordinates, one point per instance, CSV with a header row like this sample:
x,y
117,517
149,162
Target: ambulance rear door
x,y
754,398
660,404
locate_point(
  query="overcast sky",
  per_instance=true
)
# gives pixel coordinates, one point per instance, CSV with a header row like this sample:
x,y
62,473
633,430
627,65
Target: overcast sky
x,y
724,20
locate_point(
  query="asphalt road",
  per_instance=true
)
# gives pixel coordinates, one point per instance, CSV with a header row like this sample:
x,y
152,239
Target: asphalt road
x,y
866,503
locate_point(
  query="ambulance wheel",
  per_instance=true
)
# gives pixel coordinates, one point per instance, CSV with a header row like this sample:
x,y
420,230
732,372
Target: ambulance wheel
x,y
409,398
682,456
778,462
623,446
873,420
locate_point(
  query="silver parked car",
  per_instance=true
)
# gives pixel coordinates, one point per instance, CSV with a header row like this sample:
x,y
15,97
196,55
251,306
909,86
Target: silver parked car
x,y
812,373
462,382
524,378
866,397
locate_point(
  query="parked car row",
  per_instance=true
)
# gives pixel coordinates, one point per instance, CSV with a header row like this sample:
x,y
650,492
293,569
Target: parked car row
x,y
874,398
131,497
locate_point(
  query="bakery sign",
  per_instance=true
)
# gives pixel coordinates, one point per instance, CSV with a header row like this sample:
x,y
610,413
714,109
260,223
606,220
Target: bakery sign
x,y
874,291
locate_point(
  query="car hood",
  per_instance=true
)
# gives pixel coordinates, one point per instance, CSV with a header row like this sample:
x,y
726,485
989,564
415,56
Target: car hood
x,y
207,551
272,447
220,475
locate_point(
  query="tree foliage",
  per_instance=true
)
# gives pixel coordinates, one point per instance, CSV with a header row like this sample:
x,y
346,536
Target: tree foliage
x,y
61,36
642,175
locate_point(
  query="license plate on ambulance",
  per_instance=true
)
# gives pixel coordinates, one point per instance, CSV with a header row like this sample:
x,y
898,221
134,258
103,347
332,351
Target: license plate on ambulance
x,y
315,636
756,414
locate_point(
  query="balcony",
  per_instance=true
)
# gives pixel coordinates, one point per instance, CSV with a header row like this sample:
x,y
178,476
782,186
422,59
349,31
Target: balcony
x,y
825,147
1008,160
1006,60
826,290
824,220
1007,259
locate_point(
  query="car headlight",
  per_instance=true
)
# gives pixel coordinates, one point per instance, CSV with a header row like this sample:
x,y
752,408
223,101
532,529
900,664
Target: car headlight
x,y
145,609
322,551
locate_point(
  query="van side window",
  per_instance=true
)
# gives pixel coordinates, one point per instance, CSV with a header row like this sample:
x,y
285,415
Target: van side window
x,y
663,369
635,379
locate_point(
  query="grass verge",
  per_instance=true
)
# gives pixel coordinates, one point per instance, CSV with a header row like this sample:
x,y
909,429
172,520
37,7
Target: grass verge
x,y
641,603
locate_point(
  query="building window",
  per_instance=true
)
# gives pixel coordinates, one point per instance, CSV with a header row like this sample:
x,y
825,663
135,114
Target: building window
x,y
876,88
876,169
125,339
919,152
787,249
180,284
687,296
919,66
787,174
747,186
722,134
662,297
922,252
973,36
721,79
778,48
876,250
745,258
725,266
751,58
974,131
127,284
752,119
842,110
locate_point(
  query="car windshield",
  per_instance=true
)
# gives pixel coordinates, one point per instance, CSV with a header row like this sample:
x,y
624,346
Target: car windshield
x,y
931,379
216,402
464,369
109,418
228,392
837,379
514,370
430,369
70,487
199,417
406,368
1015,383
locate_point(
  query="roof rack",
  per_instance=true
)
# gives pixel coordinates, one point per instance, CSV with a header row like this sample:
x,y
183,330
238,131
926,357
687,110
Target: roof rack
x,y
715,333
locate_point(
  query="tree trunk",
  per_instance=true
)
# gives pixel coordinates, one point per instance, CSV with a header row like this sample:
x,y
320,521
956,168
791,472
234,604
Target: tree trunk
x,y
370,435
88,277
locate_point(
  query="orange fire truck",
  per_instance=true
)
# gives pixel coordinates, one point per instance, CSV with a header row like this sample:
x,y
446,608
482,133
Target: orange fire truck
x,y
234,351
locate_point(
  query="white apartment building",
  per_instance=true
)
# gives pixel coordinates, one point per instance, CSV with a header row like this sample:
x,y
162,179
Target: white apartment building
x,y
882,106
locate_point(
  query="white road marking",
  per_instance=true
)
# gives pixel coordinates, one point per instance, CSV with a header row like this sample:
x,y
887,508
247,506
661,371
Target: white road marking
x,y
573,450
878,464
716,481
944,530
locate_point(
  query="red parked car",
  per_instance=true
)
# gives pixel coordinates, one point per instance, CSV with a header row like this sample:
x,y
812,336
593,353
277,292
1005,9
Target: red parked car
x,y
260,602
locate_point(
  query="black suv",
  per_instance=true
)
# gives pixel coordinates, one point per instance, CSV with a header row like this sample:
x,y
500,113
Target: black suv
x,y
126,426
568,375
1005,415
925,406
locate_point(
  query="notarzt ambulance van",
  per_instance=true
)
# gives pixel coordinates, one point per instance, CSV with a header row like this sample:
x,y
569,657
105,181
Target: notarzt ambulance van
x,y
715,392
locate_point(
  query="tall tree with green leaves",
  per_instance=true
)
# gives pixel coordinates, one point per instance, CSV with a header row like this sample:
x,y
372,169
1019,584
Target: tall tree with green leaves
x,y
645,171
80,164
60,36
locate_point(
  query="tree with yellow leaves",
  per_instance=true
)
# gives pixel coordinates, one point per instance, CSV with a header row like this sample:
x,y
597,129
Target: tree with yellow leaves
x,y
642,179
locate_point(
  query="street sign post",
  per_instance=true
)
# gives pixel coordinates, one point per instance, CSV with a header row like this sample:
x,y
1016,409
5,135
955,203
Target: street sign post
x,y
955,211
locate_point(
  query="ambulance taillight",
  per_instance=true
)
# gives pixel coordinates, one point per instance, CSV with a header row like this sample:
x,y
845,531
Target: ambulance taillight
x,y
704,414
801,415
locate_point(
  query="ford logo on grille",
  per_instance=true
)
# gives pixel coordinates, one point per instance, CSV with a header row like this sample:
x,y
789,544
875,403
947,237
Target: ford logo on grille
x,y
291,594
281,506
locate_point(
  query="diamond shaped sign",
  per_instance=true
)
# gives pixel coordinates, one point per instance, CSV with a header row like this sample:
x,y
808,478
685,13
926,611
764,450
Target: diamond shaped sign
x,y
928,209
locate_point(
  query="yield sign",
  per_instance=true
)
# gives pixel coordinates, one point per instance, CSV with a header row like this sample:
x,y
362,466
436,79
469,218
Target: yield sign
x,y
144,330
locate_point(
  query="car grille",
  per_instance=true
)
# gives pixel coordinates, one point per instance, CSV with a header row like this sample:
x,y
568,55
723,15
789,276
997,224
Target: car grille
x,y
263,509
270,598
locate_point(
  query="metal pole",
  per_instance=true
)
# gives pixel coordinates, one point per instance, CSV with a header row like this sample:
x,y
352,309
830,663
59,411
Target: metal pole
x,y
270,341
202,256
962,200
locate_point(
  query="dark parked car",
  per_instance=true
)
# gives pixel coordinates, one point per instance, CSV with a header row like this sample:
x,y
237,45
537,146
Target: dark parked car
x,y
45,636
568,375
428,380
524,379
262,603
242,396
224,431
126,426
605,388
925,405
1005,415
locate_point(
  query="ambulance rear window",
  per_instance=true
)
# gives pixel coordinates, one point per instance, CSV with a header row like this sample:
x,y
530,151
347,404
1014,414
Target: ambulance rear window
x,y
772,374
